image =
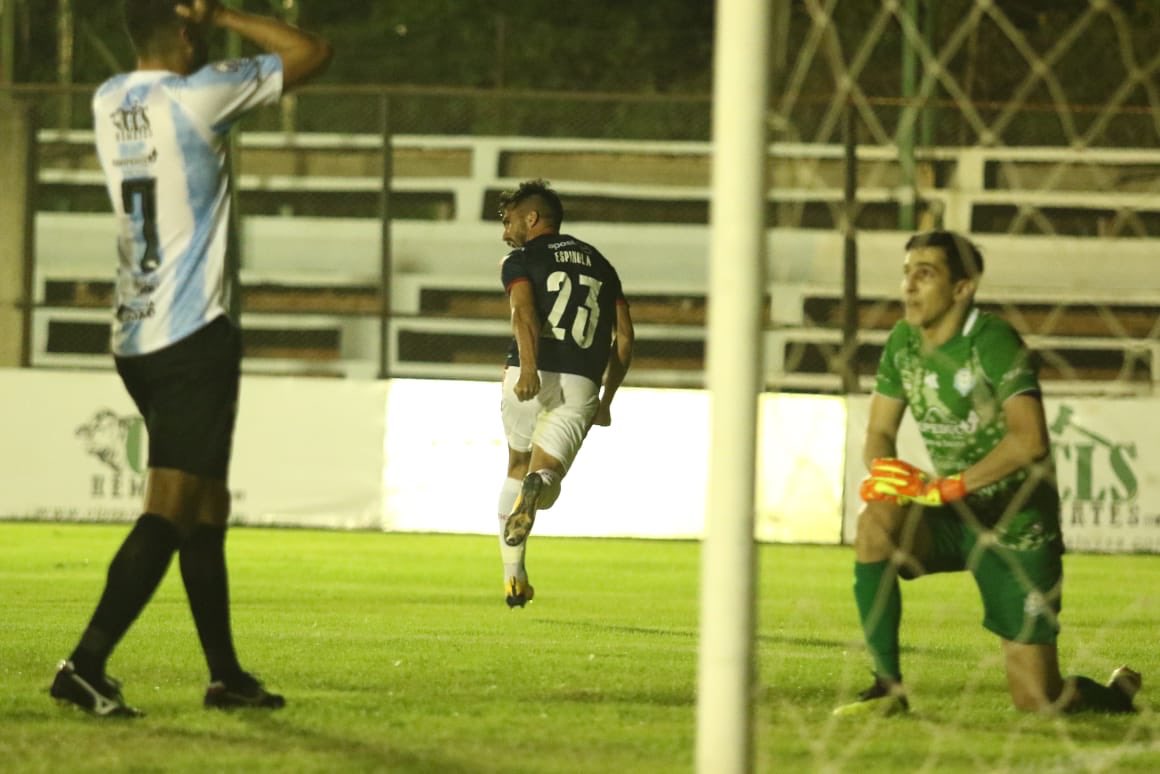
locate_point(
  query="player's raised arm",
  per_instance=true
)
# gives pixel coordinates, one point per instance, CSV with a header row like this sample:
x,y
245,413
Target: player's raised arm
x,y
303,54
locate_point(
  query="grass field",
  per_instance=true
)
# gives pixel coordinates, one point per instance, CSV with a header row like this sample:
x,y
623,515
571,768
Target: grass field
x,y
397,653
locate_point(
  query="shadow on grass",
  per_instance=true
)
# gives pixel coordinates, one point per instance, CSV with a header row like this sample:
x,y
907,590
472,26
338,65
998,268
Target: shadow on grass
x,y
604,627
674,697
692,634
266,738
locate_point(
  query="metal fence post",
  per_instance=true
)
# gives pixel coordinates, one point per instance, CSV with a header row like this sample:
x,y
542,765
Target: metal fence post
x,y
850,257
386,271
18,158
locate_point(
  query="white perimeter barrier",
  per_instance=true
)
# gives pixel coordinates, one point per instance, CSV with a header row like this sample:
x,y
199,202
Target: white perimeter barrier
x,y
306,452
429,456
644,476
411,455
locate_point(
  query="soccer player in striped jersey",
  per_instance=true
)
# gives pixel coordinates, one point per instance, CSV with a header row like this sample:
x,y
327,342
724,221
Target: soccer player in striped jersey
x,y
161,136
572,345
991,506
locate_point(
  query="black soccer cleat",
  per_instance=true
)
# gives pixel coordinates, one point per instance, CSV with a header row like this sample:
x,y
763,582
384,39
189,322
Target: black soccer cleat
x,y
518,593
243,691
883,699
1127,681
523,515
101,697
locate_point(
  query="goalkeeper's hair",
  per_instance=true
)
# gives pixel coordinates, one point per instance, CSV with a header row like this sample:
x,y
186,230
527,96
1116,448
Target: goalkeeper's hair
x,y
540,193
964,259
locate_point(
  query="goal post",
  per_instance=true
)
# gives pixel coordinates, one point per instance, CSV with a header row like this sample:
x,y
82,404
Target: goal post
x,y
725,684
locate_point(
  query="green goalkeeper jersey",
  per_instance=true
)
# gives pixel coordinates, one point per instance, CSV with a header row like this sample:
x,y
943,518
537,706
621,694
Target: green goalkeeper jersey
x,y
956,392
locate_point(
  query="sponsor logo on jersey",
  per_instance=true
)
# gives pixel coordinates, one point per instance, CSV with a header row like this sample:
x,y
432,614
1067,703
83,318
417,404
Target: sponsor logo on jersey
x,y
936,421
145,284
131,121
137,161
126,314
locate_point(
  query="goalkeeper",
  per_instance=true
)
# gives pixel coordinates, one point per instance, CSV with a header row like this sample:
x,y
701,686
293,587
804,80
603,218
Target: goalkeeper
x,y
991,506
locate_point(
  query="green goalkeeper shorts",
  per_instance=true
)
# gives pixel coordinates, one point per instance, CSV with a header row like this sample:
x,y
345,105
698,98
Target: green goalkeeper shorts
x,y
1017,565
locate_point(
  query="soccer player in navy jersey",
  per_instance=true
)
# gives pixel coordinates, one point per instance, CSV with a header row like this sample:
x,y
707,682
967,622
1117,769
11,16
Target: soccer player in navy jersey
x,y
991,506
572,345
161,136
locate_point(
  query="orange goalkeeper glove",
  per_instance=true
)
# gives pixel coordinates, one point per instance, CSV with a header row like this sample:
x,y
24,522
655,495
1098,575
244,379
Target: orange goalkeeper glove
x,y
895,480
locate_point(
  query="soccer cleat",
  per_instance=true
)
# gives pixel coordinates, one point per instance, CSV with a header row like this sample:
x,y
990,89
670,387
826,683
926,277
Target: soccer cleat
x,y
518,592
244,691
100,697
1128,682
882,699
523,516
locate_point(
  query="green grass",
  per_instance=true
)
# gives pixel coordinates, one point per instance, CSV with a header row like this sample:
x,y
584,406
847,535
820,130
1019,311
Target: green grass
x,y
396,653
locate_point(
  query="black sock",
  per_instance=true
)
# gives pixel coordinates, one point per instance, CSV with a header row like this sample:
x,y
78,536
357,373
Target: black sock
x,y
134,574
203,568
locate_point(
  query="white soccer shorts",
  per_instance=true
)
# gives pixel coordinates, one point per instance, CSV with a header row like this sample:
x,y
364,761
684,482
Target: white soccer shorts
x,y
556,420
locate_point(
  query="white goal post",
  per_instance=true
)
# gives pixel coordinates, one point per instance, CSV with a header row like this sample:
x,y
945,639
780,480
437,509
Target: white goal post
x,y
736,278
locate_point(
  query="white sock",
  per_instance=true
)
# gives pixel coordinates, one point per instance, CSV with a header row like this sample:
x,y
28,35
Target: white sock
x,y
512,556
507,496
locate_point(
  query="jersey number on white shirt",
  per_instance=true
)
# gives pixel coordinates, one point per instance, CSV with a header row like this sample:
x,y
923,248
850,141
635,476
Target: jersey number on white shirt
x,y
139,197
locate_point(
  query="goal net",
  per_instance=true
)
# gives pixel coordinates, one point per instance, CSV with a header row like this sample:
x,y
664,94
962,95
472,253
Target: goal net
x,y
1033,129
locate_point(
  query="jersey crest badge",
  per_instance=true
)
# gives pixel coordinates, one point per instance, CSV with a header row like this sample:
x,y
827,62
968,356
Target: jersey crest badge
x,y
964,381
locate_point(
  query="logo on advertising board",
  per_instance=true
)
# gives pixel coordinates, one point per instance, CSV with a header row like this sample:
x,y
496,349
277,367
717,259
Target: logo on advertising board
x,y
1098,481
119,443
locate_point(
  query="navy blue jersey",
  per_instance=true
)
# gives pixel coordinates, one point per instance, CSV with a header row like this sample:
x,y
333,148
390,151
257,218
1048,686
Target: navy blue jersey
x,y
576,291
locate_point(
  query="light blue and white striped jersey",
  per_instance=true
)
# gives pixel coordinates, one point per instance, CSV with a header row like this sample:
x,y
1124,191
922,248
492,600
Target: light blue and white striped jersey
x,y
161,140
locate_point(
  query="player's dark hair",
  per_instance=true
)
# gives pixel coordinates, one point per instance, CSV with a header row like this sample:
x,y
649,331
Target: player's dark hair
x,y
964,259
548,201
150,24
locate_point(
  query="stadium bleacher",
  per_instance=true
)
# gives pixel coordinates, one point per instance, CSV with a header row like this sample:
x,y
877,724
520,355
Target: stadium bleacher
x,y
314,304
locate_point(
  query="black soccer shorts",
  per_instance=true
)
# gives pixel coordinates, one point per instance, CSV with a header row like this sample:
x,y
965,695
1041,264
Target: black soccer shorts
x,y
188,395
